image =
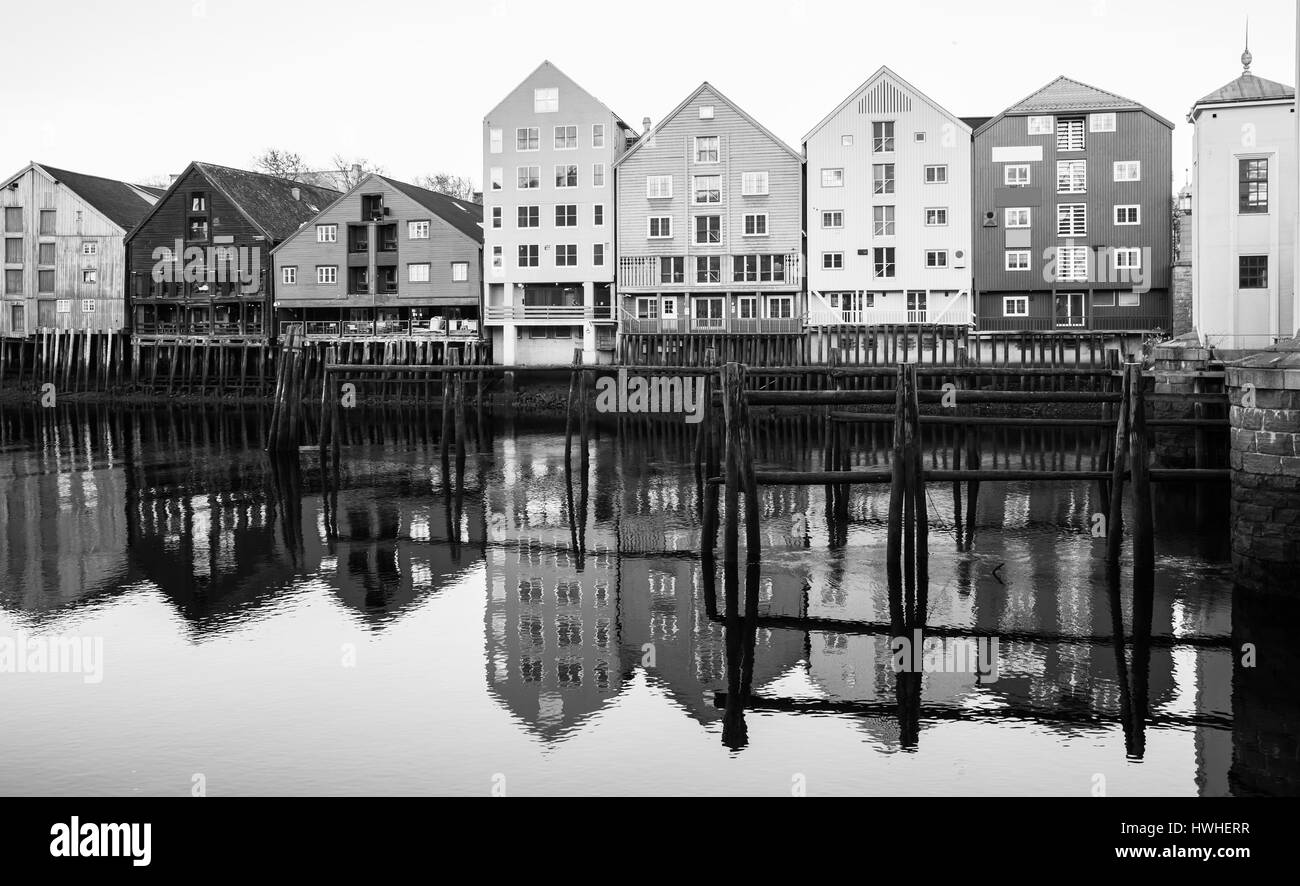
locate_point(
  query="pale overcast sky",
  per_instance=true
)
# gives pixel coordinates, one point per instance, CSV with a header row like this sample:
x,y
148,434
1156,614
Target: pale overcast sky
x,y
137,89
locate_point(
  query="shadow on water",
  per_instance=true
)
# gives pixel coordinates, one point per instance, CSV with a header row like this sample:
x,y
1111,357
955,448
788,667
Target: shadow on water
x,y
596,589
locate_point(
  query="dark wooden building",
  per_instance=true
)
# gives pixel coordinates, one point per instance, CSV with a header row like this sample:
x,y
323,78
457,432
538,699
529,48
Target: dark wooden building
x,y
200,261
1072,214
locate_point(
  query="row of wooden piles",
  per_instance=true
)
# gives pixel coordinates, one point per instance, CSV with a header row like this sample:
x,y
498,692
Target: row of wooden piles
x,y
73,361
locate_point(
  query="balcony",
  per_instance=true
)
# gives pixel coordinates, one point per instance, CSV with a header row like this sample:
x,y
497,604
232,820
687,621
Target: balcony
x,y
331,329
946,312
200,328
569,314
633,325
646,273
1076,324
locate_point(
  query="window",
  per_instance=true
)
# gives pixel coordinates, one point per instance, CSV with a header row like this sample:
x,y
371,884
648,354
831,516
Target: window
x,y
530,178
1254,187
495,141
756,224
1128,259
598,215
496,216
528,138
758,268
566,138
708,189
882,176
528,256
936,175
708,229
658,187
327,233
919,137
497,178
1103,299
1102,122
198,229
45,254
566,215
1072,177
708,269
936,218
13,282
198,202
885,262
546,101
45,281
1254,272
1072,219
1015,306
47,223
1072,264
13,219
1128,171
1128,215
833,219
498,259
1018,218
883,216
832,178
832,261
754,184
1069,134
1129,300
566,176
289,275
327,275
418,273
1016,175
528,217
1042,125
746,307
882,138
706,112
936,258
846,141
661,227
780,307
598,175
417,230
1018,260
598,255
647,308
706,149
89,306
459,272
672,270
598,135
566,255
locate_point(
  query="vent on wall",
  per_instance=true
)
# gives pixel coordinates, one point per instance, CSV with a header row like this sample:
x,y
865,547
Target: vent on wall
x,y
885,98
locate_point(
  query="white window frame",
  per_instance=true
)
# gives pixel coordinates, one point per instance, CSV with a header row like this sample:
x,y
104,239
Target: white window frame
x,y
598,135
1071,176
577,176
526,187
498,258
941,212
884,179
598,175
496,178
598,255
417,230
939,254
546,100
885,225
289,275
1106,122
1072,220
1014,181
846,141
533,136
745,224
705,145
1124,208
1126,299
774,300
562,211
496,140
565,249
1078,264
665,224
755,184
654,187
833,177
418,272
829,259
90,276
89,306
327,275
327,233
89,248
831,213
1042,125
598,215
460,272
1020,303
1016,266
1125,166
707,112
560,137
1016,225
935,168
696,191
1133,256
1067,137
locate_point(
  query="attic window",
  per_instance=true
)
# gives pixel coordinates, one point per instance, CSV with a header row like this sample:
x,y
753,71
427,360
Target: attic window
x,y
546,101
706,112
198,202
1102,122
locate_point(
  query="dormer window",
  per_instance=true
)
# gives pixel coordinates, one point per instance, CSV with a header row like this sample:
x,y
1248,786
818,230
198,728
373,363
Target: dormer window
x,y
372,207
198,202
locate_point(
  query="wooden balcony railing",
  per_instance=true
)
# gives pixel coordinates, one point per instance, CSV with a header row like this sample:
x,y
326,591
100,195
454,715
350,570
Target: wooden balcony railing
x,y
1107,323
381,328
549,313
646,272
631,324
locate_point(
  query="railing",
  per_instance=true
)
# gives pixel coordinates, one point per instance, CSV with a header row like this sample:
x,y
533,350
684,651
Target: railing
x,y
955,313
711,325
1107,323
644,272
200,329
381,328
549,313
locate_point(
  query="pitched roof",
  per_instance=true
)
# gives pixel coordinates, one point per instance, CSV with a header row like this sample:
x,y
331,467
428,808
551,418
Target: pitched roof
x,y
686,103
881,73
267,200
121,203
1249,88
975,122
463,215
1064,95
546,63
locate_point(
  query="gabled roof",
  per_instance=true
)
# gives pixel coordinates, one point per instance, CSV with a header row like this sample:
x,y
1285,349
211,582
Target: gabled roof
x,y
975,122
267,201
123,204
1248,88
882,72
706,85
547,64
1063,96
462,215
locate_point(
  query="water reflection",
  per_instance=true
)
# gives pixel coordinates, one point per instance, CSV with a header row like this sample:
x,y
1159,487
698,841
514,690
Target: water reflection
x,y
594,591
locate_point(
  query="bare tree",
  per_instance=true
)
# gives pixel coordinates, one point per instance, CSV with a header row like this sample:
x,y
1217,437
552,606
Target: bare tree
x,y
348,173
284,164
156,181
460,187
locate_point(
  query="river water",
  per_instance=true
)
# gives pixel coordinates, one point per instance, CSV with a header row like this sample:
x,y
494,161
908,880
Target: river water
x,y
262,636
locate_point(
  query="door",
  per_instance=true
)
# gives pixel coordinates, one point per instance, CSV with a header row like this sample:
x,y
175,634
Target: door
x,y
709,314
1070,310
918,308
17,323
46,317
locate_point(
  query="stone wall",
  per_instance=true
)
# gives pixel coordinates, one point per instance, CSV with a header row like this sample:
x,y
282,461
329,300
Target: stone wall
x,y
1182,298
1178,368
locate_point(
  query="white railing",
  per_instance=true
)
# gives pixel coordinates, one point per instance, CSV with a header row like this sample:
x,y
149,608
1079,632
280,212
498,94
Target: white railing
x,y
548,313
957,312
631,324
644,272
386,328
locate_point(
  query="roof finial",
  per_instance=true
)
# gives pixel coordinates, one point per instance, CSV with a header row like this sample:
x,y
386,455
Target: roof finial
x,y
1246,57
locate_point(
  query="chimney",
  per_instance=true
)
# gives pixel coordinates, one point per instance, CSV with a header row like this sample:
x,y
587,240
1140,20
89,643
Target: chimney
x,y
356,172
172,178
645,125
297,193
476,197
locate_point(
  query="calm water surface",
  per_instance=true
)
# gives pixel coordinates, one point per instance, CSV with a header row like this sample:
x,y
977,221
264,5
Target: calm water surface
x,y
385,639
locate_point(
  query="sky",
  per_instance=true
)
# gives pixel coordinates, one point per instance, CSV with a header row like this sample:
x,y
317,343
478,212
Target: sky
x,y
135,90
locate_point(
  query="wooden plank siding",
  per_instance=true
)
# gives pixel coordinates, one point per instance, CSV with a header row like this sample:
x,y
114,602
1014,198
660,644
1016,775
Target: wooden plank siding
x,y
76,223
1139,136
